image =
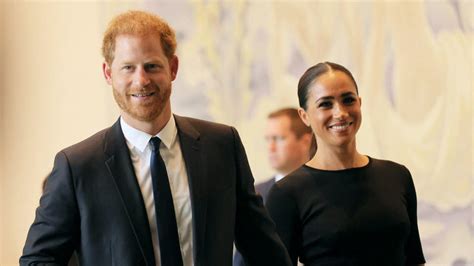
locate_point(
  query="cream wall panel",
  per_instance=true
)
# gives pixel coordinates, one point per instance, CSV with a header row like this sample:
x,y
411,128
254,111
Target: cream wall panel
x,y
2,128
53,95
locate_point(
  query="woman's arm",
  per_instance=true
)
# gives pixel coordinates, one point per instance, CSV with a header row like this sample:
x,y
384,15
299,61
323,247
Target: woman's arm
x,y
284,212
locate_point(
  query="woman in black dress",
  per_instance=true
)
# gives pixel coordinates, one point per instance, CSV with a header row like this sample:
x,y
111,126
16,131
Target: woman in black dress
x,y
343,207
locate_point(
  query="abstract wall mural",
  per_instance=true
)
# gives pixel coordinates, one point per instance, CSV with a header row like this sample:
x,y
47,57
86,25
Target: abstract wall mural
x,y
414,64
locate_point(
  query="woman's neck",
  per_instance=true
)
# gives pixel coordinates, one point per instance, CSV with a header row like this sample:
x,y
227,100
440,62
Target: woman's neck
x,y
337,158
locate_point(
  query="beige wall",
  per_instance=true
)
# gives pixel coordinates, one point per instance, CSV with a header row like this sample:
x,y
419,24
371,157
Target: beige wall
x,y
2,128
52,95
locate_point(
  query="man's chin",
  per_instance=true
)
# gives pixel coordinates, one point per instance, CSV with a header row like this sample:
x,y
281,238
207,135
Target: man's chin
x,y
275,166
143,116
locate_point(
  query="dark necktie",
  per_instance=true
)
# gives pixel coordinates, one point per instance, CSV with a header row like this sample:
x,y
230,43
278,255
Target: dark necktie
x,y
165,216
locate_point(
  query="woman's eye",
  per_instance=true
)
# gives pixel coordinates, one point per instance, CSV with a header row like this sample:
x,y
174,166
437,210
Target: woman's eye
x,y
325,105
349,100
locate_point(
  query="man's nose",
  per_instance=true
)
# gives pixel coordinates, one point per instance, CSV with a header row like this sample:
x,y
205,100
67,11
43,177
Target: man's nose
x,y
271,145
141,78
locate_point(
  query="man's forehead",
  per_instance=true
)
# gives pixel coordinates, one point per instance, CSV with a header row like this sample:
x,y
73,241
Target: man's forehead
x,y
279,125
130,46
281,119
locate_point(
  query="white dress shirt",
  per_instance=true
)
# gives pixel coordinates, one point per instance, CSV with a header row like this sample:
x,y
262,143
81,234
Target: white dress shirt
x,y
170,150
278,177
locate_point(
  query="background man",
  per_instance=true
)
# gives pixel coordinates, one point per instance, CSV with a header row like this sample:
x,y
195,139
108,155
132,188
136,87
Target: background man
x,y
290,144
155,188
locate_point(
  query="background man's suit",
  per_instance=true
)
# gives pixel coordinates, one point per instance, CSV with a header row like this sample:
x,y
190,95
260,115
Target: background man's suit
x,y
263,188
93,203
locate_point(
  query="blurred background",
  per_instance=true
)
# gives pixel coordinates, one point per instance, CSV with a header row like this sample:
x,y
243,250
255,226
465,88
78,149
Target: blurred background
x,y
239,60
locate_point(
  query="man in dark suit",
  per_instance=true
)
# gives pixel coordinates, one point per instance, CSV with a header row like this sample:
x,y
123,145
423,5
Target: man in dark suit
x,y
290,144
104,197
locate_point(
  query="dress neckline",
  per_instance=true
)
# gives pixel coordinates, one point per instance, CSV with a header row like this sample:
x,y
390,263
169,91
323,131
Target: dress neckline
x,y
340,170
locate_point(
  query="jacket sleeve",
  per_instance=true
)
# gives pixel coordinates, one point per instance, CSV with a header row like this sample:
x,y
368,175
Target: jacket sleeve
x,y
284,211
255,235
55,230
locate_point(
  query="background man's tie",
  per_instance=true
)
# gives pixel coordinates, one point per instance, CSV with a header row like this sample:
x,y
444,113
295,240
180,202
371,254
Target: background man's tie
x,y
165,216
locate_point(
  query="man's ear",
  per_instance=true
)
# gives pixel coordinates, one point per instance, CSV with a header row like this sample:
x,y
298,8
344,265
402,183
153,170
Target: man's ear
x,y
307,138
174,64
106,69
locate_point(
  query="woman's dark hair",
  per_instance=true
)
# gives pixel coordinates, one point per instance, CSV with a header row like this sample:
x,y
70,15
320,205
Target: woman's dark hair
x,y
313,73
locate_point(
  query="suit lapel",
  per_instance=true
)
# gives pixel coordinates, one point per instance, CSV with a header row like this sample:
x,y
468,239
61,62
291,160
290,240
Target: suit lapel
x,y
191,148
123,174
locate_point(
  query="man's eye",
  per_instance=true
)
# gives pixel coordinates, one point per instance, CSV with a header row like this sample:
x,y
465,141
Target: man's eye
x,y
127,67
280,138
151,66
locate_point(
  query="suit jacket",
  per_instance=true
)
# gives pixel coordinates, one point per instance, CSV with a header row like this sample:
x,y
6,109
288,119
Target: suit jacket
x,y
262,189
93,204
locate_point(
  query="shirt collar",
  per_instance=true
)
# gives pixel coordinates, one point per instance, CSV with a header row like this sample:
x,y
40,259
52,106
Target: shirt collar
x,y
278,177
140,139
